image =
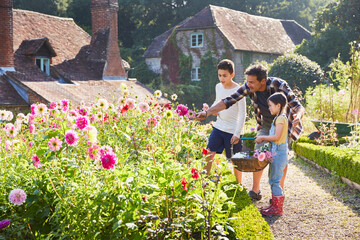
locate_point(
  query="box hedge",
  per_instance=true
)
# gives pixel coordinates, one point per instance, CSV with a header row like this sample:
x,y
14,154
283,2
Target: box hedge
x,y
344,161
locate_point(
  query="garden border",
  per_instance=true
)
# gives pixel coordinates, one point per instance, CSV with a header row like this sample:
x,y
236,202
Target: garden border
x,y
343,179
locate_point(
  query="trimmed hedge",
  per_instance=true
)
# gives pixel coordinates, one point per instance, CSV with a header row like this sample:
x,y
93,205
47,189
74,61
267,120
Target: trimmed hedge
x,y
344,161
307,140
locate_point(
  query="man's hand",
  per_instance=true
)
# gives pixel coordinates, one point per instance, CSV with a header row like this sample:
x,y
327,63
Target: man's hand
x,y
296,120
234,140
201,115
259,139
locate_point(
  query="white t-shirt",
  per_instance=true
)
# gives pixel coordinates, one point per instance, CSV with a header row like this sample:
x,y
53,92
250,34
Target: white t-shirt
x,y
230,120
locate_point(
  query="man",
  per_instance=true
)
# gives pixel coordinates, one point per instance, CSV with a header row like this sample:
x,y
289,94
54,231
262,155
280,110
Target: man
x,y
259,87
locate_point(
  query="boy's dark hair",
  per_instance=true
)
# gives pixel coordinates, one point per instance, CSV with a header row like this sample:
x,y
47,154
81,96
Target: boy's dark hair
x,y
279,98
226,64
259,70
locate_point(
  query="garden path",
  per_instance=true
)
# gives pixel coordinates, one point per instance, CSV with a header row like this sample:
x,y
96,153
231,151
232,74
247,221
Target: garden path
x,y
317,205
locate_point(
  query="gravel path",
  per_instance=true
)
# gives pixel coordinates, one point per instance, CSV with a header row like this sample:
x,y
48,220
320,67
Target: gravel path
x,y
317,205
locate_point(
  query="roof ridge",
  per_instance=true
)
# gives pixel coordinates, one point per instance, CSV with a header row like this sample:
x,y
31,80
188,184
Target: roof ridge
x,y
43,14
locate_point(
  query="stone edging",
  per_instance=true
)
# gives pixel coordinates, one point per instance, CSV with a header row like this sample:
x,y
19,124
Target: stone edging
x,y
343,179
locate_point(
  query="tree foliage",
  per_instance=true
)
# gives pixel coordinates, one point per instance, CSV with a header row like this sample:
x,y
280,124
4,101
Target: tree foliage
x,y
334,27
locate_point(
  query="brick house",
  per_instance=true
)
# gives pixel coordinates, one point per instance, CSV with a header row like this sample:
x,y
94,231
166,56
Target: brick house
x,y
225,33
46,58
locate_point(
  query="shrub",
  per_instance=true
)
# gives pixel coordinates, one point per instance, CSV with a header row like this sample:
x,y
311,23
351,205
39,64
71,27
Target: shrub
x,y
297,70
344,161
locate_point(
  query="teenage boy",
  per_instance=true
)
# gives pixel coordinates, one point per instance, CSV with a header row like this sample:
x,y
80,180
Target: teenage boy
x,y
229,125
259,87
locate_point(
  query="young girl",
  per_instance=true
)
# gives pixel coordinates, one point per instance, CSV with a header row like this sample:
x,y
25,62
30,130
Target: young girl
x,y
279,150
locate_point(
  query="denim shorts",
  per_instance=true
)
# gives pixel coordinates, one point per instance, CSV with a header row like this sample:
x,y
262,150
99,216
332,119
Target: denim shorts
x,y
219,140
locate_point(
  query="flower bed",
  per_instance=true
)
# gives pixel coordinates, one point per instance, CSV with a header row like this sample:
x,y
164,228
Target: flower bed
x,y
116,171
344,161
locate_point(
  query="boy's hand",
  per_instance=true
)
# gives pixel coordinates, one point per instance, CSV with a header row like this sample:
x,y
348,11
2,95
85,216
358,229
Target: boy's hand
x,y
234,140
259,139
200,115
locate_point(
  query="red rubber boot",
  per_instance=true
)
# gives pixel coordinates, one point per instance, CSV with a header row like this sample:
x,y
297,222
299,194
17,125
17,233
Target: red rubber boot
x,y
276,208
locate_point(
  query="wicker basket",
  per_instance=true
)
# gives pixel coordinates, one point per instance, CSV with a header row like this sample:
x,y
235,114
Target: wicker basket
x,y
249,164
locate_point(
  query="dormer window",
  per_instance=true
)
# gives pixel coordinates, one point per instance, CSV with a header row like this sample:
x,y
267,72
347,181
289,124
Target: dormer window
x,y
43,63
197,40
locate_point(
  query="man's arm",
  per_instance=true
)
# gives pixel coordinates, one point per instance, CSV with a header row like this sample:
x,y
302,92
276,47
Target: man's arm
x,y
212,110
298,115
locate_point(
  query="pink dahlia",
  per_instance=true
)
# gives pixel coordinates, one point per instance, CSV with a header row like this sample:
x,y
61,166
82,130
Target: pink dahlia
x,y
33,108
131,103
83,111
4,223
53,105
182,110
191,114
82,122
152,122
64,104
105,149
109,160
54,144
36,161
93,151
40,109
71,137
17,196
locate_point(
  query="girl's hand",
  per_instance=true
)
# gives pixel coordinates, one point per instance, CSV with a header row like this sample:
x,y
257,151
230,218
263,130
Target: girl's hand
x,y
259,139
234,140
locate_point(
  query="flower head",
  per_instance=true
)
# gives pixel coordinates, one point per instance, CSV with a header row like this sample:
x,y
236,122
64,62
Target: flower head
x,y
54,144
32,128
82,122
205,151
184,183
144,107
83,111
262,156
36,161
109,160
169,114
103,104
130,102
195,173
182,110
125,108
191,114
71,138
158,94
205,107
4,223
17,196
41,109
53,105
64,104
151,122
174,97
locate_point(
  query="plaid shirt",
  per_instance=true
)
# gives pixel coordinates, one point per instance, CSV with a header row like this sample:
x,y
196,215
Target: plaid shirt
x,y
273,85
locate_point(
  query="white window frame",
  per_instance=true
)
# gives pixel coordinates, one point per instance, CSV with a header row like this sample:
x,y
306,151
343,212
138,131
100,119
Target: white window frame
x,y
197,77
42,59
196,44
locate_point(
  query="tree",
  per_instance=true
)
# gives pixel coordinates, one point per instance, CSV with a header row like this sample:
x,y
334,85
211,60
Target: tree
x,y
335,26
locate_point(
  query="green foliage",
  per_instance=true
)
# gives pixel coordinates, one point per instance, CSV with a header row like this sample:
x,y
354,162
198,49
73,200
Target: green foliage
x,y
72,196
326,103
209,78
335,26
250,144
344,161
297,70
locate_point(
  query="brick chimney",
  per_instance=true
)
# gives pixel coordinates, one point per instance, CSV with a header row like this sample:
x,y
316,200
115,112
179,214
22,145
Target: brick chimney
x,y
6,37
105,23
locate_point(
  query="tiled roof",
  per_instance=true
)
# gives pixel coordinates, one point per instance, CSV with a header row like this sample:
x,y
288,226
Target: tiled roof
x,y
8,94
243,31
64,35
32,46
153,51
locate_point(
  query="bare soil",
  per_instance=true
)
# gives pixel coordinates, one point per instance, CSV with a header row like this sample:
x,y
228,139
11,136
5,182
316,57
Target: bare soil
x,y
317,205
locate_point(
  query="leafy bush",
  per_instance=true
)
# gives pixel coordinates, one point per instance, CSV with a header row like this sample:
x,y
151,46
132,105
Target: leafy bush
x,y
344,161
297,70
133,173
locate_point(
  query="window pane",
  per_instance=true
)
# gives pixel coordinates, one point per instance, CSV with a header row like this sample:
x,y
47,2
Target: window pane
x,y
200,40
199,74
193,73
38,62
193,40
45,63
